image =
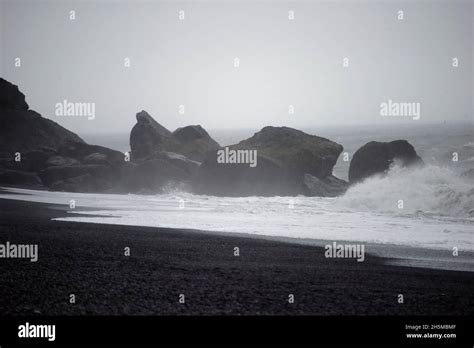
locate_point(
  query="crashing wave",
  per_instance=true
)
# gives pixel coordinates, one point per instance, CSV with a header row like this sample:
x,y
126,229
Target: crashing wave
x,y
429,189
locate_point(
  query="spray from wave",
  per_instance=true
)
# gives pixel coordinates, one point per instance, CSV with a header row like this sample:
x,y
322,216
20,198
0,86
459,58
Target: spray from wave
x,y
428,189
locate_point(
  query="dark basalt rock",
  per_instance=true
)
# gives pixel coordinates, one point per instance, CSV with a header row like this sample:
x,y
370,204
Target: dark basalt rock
x,y
194,142
11,97
61,161
166,170
23,130
187,165
31,161
376,157
50,154
297,151
284,157
96,158
329,186
83,151
268,178
148,138
85,167
17,177
36,139
152,176
289,161
51,175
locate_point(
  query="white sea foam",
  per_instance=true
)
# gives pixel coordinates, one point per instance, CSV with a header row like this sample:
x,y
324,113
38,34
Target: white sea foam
x,y
437,211
429,189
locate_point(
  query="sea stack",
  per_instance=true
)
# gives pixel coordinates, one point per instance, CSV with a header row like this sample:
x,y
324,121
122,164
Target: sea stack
x,y
376,157
289,162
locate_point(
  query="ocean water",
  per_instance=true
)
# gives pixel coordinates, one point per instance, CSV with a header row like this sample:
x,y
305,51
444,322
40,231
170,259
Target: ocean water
x,y
437,211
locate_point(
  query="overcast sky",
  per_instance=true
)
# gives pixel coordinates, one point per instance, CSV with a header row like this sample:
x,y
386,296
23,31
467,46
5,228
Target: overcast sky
x,y
283,62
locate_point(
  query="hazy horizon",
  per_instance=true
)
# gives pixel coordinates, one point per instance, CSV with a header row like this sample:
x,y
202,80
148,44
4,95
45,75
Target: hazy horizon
x,y
282,62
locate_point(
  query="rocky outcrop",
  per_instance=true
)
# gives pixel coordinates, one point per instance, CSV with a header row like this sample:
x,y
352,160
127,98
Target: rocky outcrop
x,y
161,159
55,161
83,152
189,166
297,151
21,178
330,186
376,157
290,162
27,140
81,167
97,158
194,142
23,130
284,157
165,171
10,97
148,138
29,161
37,151
287,161
154,175
53,174
225,179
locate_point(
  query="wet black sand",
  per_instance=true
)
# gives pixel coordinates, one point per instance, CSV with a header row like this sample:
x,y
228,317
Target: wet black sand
x,y
88,260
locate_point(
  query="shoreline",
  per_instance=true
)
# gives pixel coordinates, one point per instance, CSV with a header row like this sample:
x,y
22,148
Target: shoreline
x,y
394,254
88,260
390,254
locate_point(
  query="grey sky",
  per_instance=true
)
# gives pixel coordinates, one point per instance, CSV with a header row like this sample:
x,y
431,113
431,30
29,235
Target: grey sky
x,y
190,62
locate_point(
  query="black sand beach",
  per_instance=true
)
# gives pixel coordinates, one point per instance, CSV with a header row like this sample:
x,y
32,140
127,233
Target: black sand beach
x,y
88,260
